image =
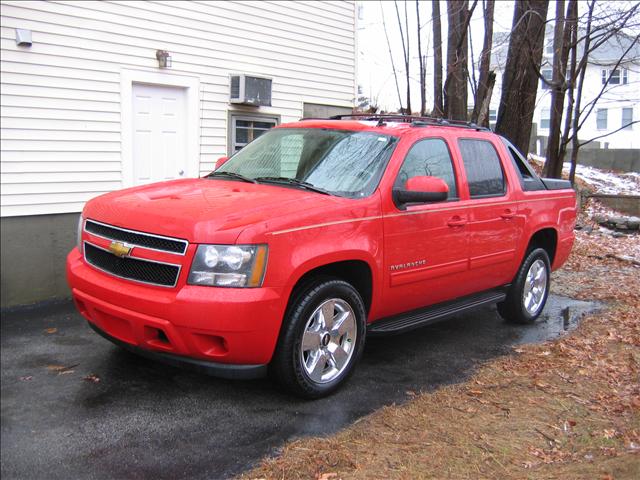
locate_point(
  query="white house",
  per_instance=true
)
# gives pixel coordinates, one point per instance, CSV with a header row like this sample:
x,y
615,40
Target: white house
x,y
101,95
618,106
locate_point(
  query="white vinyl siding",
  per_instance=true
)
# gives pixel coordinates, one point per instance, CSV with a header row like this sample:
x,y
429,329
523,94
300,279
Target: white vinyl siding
x,y
60,105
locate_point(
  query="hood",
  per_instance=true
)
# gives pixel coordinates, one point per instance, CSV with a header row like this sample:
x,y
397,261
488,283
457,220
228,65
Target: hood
x,y
202,210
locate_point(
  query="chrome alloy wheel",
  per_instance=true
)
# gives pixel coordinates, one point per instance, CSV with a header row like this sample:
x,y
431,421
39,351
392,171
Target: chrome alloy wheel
x,y
535,287
329,340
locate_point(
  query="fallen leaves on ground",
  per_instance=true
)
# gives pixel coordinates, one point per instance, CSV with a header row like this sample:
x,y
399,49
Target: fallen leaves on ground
x,y
62,369
50,330
563,409
92,378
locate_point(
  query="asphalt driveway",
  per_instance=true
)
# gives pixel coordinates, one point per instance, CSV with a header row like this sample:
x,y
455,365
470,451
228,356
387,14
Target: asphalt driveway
x,y
75,406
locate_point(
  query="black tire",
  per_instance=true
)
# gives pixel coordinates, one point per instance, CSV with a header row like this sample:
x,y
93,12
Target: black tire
x,y
513,308
288,364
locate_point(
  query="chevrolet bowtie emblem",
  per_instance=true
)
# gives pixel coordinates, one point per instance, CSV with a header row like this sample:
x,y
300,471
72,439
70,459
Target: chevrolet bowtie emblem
x,y
119,249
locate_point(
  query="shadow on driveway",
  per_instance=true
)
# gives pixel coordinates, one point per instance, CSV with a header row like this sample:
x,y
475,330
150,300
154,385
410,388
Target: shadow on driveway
x,y
147,420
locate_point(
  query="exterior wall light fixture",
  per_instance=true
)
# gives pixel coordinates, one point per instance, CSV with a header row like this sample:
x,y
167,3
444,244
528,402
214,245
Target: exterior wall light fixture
x,y
164,59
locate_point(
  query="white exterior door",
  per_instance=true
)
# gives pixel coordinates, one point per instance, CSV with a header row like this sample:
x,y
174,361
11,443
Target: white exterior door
x,y
159,133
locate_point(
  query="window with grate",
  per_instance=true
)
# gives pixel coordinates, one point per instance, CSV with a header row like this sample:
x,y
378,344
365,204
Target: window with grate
x,y
245,129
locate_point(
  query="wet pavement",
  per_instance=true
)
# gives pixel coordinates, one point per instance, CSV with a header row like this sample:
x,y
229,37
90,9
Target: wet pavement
x,y
147,420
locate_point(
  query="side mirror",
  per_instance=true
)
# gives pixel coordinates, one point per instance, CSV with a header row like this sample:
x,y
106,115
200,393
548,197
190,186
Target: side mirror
x,y
221,161
421,190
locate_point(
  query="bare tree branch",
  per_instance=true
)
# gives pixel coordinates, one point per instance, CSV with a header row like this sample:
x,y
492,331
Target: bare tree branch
x,y
608,133
395,75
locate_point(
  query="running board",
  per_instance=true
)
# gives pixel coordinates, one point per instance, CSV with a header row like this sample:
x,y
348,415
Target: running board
x,y
417,318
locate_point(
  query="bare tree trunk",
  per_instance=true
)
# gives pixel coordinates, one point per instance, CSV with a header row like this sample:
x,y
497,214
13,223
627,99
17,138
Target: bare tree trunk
x,y
438,109
393,66
575,144
483,114
423,93
405,51
562,38
573,49
485,63
455,85
520,79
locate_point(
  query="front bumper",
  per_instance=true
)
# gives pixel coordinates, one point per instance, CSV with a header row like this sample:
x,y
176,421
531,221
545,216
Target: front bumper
x,y
222,370
205,326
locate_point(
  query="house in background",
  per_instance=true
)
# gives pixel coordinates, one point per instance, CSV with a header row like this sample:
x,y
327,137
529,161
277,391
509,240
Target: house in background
x,y
618,106
98,96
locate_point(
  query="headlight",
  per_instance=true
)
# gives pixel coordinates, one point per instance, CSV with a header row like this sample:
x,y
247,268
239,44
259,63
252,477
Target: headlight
x,y
228,265
79,233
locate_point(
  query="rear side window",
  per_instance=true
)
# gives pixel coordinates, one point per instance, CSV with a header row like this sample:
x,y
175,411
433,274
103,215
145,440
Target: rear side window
x,y
484,172
431,158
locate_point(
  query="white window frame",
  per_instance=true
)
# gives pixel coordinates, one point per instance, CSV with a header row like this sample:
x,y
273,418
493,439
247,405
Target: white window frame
x,y
192,87
623,76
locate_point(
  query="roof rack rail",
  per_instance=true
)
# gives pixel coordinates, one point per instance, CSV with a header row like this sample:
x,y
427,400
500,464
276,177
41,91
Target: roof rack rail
x,y
416,121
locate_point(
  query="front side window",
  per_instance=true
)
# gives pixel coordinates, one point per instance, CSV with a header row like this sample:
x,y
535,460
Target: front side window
x,y
431,158
601,119
341,162
482,164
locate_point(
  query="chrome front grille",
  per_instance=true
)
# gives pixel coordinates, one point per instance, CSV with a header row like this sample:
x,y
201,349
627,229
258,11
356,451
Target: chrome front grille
x,y
134,268
135,238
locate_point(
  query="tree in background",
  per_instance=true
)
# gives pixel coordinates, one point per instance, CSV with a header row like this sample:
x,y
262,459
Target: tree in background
x,y
520,79
423,66
393,65
487,78
438,107
565,30
602,26
404,35
455,85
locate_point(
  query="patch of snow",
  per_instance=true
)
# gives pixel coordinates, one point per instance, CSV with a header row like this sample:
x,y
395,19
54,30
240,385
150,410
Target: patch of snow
x,y
607,182
602,181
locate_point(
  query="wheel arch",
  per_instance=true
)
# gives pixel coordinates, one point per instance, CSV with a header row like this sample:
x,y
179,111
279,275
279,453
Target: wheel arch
x,y
356,272
545,238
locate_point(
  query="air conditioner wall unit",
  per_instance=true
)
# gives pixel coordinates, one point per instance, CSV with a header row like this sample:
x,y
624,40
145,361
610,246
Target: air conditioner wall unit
x,y
250,90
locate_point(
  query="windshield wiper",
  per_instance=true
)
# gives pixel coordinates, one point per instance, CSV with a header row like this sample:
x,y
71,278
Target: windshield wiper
x,y
231,175
294,182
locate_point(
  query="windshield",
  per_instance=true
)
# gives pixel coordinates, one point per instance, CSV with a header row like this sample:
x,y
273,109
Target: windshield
x,y
340,162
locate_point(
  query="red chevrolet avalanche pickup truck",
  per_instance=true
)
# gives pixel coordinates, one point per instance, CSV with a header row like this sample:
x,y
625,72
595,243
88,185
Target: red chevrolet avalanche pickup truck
x,y
314,236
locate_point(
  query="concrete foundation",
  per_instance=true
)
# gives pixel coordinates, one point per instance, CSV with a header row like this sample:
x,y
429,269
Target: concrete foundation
x,y
33,250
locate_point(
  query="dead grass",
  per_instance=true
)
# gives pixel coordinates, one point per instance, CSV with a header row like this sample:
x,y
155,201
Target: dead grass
x,y
560,410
